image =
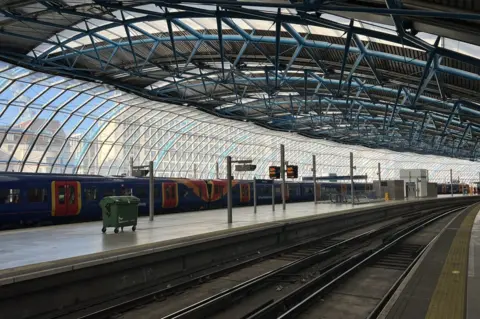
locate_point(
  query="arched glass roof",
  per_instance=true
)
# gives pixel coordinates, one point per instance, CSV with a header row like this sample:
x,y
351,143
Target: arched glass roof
x,y
55,124
88,84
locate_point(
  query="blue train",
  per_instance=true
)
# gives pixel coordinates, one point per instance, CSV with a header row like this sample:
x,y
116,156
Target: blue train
x,y
457,189
27,198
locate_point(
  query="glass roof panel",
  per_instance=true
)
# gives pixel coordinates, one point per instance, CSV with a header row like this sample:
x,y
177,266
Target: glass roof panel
x,y
179,137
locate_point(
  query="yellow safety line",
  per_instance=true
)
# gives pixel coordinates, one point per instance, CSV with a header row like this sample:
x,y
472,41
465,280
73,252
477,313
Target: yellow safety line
x,y
448,300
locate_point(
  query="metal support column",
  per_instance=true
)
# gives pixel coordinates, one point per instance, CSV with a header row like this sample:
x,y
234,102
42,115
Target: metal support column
x,y
282,173
216,169
131,166
194,170
451,182
351,177
254,194
151,187
314,173
229,194
409,182
379,175
273,196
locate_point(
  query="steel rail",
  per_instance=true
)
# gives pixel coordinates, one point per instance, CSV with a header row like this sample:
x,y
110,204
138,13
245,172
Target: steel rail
x,y
104,309
123,306
337,273
222,300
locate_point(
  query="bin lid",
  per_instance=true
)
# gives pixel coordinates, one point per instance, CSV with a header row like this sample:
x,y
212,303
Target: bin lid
x,y
120,200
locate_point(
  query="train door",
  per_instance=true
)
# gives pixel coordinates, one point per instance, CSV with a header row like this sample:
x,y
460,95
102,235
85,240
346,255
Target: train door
x,y
169,195
244,193
66,198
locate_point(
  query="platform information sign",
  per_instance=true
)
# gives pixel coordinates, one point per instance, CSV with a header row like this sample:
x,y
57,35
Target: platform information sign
x,y
274,172
292,171
245,168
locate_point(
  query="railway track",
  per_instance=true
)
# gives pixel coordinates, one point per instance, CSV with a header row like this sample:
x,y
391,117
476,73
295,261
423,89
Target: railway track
x,y
302,272
319,273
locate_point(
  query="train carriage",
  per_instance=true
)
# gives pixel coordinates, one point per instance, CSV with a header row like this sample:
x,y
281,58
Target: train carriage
x,y
28,198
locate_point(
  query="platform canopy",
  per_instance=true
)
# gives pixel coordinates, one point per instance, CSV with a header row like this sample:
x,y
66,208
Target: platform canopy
x,y
84,85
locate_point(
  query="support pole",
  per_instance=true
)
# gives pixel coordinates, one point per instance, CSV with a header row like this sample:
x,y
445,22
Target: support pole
x,y
282,173
216,169
314,173
351,177
379,175
273,196
409,182
229,194
417,189
195,171
451,182
131,166
151,185
254,194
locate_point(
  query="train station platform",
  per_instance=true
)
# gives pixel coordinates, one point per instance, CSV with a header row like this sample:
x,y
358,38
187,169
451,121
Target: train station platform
x,y
47,244
445,283
52,246
27,247
57,269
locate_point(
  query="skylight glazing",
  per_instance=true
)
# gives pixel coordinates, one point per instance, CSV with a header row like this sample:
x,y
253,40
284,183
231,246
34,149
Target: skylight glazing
x,y
59,125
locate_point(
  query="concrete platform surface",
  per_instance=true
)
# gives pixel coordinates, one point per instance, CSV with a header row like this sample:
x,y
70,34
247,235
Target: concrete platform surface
x,y
42,244
438,286
29,247
473,281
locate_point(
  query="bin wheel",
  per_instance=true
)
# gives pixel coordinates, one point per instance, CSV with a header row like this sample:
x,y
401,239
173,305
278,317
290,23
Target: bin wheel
x,y
122,229
104,229
116,230
134,228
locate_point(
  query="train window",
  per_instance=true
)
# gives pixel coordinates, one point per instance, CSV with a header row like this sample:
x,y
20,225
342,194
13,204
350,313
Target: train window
x,y
141,192
209,188
126,191
10,196
4,198
167,192
170,192
90,193
37,195
244,190
61,194
71,194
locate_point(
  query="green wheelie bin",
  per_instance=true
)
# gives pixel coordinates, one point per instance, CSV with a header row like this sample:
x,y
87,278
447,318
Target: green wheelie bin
x,y
119,212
